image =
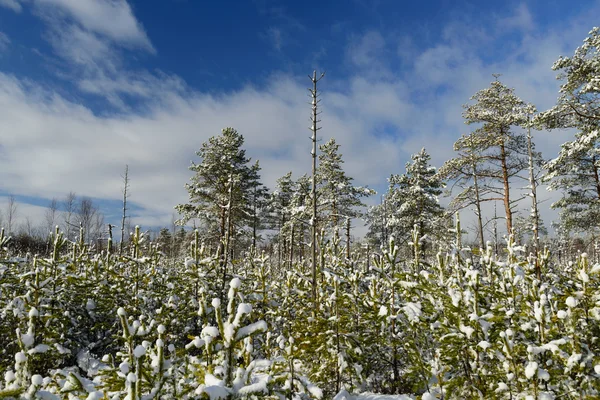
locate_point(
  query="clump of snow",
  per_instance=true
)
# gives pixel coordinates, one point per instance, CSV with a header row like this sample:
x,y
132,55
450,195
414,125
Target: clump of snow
x,y
531,369
131,377
27,340
413,311
96,395
37,380
216,303
40,348
139,351
244,308
20,357
235,283
9,376
121,312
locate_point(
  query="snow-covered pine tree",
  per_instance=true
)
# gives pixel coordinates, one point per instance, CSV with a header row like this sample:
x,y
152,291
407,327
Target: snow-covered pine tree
x,y
412,199
279,210
575,170
338,199
578,104
258,199
575,173
220,189
498,109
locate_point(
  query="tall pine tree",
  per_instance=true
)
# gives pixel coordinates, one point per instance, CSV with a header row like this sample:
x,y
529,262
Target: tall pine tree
x,y
221,189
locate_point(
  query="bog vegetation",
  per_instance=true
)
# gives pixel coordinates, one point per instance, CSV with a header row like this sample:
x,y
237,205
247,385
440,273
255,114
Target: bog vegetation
x,y
270,296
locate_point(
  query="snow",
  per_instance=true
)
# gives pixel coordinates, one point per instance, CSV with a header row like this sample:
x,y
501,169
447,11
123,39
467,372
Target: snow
x,y
121,312
90,305
244,308
161,329
571,302
249,330
40,348
467,330
210,331
531,369
235,283
139,351
96,395
33,312
412,311
37,380
131,377
27,340
216,303
9,376
484,345
20,357
344,395
124,367
258,387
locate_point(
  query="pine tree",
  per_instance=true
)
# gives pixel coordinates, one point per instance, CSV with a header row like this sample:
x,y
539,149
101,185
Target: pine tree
x,y
412,199
498,109
279,209
575,170
339,201
578,104
221,189
575,173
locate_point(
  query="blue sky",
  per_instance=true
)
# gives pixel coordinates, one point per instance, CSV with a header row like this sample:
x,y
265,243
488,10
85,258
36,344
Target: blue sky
x,y
87,86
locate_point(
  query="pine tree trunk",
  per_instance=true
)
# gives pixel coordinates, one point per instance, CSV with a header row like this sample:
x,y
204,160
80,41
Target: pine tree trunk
x,y
348,238
478,207
507,208
596,177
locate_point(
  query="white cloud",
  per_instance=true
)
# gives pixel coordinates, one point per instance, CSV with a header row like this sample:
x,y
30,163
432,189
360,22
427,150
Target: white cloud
x,y
113,19
521,19
14,5
62,146
275,36
4,42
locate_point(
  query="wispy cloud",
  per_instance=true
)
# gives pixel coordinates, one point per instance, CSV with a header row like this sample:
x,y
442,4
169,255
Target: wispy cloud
x,y
274,35
14,5
521,19
4,42
89,39
111,19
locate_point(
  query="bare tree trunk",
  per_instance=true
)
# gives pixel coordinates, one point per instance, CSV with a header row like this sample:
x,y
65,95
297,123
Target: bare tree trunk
x,y
125,194
534,205
11,213
313,223
227,234
69,205
292,247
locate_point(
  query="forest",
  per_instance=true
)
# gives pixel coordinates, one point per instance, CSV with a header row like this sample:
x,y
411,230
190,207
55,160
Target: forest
x,y
270,293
